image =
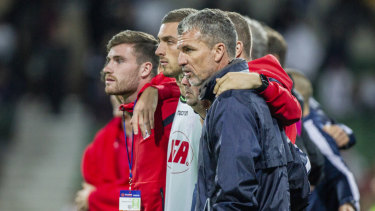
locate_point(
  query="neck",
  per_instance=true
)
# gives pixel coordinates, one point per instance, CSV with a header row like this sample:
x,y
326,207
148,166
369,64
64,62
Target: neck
x,y
128,125
223,62
202,107
200,110
131,97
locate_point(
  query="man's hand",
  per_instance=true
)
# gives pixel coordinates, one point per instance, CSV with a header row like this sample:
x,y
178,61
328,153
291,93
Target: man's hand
x,y
143,114
346,207
82,197
237,80
338,134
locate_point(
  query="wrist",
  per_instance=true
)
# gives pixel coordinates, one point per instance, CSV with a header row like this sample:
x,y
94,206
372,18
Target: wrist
x,y
264,83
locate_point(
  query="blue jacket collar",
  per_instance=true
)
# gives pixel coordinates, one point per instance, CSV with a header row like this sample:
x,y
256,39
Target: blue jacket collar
x,y
207,88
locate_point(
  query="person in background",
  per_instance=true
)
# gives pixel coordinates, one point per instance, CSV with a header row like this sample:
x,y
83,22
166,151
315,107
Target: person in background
x,y
338,189
94,168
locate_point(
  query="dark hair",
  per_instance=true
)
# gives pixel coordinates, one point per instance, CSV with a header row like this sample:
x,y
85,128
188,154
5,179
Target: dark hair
x,y
144,46
177,15
243,31
215,27
276,44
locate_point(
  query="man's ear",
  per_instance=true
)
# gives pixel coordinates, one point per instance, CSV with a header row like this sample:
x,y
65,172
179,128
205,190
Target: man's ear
x,y
146,69
239,49
220,50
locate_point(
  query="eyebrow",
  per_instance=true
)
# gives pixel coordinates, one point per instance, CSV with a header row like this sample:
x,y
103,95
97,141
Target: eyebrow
x,y
169,37
118,57
114,57
185,46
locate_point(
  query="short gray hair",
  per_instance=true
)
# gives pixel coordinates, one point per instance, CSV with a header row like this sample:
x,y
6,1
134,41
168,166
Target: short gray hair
x,y
259,39
215,27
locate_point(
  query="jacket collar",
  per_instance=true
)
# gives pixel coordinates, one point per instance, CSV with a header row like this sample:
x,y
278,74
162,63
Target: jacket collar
x,y
207,88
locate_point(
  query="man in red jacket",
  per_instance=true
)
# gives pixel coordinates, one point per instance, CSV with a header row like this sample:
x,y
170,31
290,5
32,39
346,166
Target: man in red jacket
x,y
123,161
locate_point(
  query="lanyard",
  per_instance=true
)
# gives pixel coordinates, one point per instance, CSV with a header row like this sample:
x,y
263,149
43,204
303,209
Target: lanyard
x,y
130,159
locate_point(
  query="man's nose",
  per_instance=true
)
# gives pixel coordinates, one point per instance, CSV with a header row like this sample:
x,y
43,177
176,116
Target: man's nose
x,y
185,82
107,68
160,51
182,59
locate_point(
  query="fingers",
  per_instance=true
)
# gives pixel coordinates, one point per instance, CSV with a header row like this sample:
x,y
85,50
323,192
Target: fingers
x,y
151,118
142,120
222,86
144,124
219,82
80,201
141,123
346,207
143,114
338,134
134,122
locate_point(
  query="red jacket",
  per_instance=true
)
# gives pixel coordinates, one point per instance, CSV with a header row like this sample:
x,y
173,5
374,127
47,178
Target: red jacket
x,y
105,164
283,105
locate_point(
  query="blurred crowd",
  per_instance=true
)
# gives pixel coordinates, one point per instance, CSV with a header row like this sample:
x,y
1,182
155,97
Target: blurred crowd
x,y
52,49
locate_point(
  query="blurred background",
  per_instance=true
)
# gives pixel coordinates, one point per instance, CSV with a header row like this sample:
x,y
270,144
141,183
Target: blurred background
x,y
52,101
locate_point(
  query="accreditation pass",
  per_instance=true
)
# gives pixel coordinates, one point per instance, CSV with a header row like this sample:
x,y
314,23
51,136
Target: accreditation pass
x,y
130,200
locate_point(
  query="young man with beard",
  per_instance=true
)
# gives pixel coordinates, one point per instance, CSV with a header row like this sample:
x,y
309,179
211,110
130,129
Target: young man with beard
x,y
123,160
183,147
242,157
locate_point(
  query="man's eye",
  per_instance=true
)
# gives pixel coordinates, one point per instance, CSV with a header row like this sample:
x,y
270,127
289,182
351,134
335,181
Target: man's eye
x,y
119,61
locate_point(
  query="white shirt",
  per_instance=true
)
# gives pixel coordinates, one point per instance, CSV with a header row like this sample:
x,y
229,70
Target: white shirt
x,y
182,159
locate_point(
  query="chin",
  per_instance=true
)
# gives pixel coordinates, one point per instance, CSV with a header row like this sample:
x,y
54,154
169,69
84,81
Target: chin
x,y
168,73
111,92
191,103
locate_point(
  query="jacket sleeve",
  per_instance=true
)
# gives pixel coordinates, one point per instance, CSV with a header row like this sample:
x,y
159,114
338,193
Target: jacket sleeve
x,y
282,104
323,119
337,173
167,90
349,132
235,146
167,87
315,156
106,197
89,167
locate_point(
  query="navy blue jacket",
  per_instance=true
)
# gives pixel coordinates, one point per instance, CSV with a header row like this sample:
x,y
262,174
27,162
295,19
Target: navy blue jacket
x,y
322,119
338,185
242,156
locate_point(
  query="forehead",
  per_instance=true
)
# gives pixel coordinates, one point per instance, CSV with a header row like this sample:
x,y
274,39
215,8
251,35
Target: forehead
x,y
189,38
168,29
124,49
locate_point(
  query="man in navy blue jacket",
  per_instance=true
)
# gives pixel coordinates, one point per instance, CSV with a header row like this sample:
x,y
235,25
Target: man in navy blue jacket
x,y
338,189
243,155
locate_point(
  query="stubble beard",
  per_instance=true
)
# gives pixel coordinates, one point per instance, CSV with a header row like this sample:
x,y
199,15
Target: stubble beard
x,y
173,73
195,81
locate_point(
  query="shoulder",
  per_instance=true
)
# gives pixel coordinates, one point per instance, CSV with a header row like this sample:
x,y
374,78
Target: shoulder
x,y
240,98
